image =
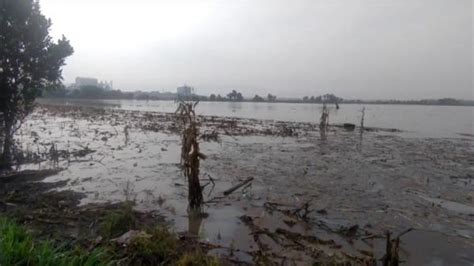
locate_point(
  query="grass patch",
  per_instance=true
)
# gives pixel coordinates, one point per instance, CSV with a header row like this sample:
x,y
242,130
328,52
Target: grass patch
x,y
157,246
17,247
119,222
197,259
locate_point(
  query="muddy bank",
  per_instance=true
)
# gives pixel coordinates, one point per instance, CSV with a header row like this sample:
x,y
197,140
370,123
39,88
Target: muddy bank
x,y
313,198
48,225
54,214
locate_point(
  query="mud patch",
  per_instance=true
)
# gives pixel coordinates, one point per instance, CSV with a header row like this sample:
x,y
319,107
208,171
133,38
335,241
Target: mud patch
x,y
315,197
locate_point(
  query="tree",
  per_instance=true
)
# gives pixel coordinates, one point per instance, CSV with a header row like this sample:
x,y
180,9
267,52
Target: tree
x,y
212,97
257,98
232,96
92,92
331,98
56,92
239,97
29,62
271,98
448,101
235,96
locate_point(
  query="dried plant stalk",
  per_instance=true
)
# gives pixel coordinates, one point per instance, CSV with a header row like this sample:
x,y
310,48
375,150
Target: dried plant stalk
x,y
324,123
362,120
190,154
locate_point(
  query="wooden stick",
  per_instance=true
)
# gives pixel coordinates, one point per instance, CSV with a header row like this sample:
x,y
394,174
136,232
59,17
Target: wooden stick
x,y
234,188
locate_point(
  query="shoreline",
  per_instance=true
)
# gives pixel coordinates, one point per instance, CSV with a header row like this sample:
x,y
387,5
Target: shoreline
x,y
274,102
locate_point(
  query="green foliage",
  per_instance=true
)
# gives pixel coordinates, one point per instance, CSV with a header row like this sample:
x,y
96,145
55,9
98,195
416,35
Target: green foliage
x,y
17,247
119,222
157,247
15,243
29,59
29,62
197,259
55,92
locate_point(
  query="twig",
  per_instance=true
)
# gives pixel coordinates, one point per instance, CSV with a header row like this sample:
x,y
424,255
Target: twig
x,y
234,188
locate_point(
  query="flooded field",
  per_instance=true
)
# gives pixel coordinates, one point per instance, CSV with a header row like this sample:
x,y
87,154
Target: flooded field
x,y
313,196
415,120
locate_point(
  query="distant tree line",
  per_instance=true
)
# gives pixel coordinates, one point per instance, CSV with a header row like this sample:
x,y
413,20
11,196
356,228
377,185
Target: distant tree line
x,y
235,96
87,92
326,98
92,92
442,101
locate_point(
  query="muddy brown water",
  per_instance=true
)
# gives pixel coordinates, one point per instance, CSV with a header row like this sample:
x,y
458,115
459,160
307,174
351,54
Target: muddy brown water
x,y
357,186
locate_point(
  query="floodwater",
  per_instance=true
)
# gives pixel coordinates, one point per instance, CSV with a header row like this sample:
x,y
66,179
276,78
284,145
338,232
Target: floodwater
x,y
416,120
357,185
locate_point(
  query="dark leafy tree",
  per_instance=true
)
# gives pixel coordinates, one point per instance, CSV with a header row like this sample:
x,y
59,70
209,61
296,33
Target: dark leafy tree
x,y
271,98
56,92
235,96
258,98
212,97
30,61
232,95
239,97
331,98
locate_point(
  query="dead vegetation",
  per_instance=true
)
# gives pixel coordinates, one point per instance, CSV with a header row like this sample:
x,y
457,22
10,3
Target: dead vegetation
x,y
190,153
127,236
212,128
362,120
211,135
189,126
324,120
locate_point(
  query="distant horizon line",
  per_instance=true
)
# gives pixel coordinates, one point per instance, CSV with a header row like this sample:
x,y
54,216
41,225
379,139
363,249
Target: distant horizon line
x,y
298,98
290,98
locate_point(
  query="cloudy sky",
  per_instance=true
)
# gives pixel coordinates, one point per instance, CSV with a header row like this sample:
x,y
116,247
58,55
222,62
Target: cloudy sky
x,y
353,48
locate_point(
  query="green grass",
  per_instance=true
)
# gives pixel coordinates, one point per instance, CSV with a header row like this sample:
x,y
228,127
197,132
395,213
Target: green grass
x,y
119,222
152,247
197,259
17,247
157,246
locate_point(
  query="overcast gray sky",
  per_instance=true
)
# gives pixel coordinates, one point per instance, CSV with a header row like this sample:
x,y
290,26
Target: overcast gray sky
x,y
353,48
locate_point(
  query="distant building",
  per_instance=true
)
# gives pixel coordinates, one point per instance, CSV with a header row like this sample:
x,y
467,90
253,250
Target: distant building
x,y
184,91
